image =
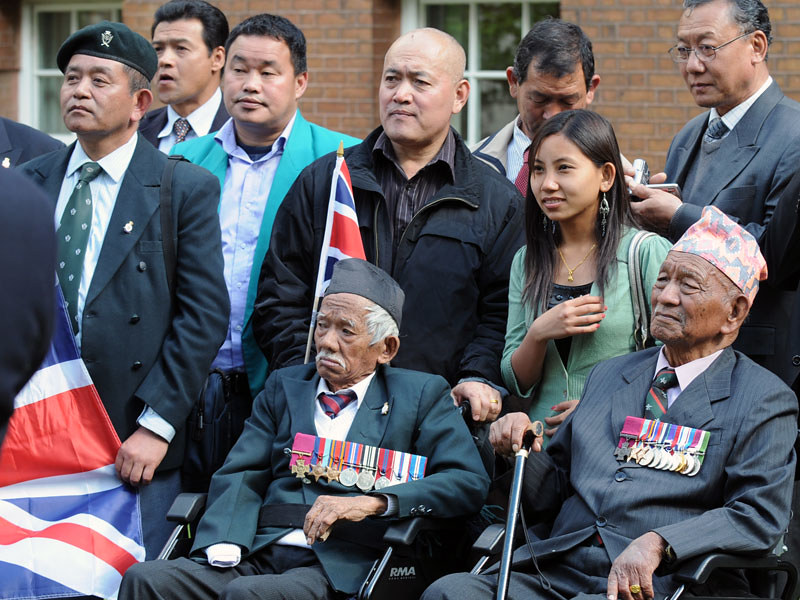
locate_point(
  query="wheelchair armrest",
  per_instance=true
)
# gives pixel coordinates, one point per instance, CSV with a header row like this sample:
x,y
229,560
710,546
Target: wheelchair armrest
x,y
186,507
490,542
405,531
697,570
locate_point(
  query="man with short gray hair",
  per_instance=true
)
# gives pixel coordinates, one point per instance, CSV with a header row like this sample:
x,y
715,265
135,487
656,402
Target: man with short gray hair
x,y
339,416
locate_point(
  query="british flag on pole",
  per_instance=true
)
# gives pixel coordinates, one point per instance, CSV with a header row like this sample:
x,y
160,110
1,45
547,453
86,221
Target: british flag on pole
x,y
342,237
68,525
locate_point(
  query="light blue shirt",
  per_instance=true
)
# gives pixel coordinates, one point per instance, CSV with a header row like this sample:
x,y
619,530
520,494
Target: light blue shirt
x,y
244,199
516,150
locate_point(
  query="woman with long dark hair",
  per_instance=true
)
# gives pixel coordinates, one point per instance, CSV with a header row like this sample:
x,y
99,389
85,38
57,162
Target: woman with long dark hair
x,y
570,303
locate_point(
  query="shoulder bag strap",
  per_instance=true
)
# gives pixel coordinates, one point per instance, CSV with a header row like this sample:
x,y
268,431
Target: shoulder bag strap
x,y
167,227
641,308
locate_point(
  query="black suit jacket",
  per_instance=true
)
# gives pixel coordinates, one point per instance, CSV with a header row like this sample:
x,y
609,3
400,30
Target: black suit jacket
x,y
154,121
27,299
20,143
141,345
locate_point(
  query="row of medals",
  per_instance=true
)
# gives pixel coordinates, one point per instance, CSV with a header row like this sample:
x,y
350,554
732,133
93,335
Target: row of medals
x,y
364,480
660,458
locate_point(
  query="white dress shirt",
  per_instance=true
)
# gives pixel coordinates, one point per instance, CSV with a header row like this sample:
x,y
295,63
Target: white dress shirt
x,y
516,152
229,555
686,373
200,119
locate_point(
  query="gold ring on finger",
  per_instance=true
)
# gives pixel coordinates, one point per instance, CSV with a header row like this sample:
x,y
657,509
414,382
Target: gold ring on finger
x,y
635,588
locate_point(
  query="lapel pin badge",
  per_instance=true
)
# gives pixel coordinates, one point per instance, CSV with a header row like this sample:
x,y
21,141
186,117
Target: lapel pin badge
x,y
128,227
6,162
385,409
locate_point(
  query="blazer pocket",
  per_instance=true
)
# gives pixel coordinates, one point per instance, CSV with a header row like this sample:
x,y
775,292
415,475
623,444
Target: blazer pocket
x,y
150,246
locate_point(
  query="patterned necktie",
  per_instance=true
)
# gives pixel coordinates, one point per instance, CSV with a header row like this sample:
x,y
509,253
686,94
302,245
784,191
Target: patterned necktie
x,y
333,403
656,404
181,128
73,235
524,174
716,129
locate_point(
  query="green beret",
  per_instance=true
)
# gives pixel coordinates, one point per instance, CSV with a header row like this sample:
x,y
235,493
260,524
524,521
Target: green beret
x,y
113,41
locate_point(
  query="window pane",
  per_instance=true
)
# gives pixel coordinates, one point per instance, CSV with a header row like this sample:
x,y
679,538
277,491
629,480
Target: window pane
x,y
499,26
452,18
497,106
90,17
50,106
459,123
53,30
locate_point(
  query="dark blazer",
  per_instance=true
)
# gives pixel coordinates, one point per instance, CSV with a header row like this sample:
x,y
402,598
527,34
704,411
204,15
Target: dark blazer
x,y
20,143
754,168
153,122
738,502
141,345
421,419
27,299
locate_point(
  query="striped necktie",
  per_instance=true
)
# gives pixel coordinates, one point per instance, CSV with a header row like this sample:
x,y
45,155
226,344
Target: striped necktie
x,y
524,174
333,403
656,403
716,130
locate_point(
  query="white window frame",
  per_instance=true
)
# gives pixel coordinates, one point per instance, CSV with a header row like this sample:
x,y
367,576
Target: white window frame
x,y
413,12
29,73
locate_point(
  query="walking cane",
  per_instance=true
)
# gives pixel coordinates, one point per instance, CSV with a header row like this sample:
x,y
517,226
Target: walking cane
x,y
536,430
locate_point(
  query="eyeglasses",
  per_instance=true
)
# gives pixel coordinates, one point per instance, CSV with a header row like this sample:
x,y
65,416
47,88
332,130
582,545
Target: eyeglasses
x,y
703,52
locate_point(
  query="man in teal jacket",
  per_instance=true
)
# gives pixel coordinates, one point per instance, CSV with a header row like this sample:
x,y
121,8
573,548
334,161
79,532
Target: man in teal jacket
x,y
256,155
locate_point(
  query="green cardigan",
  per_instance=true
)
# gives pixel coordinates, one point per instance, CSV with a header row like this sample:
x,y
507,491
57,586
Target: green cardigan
x,y
561,382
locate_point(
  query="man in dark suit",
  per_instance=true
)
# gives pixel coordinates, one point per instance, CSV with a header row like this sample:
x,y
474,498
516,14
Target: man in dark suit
x,y
189,38
615,519
147,346
27,302
20,143
254,552
728,157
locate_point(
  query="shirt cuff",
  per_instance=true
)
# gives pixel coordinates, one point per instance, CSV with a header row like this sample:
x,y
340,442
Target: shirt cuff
x,y
150,419
391,505
224,555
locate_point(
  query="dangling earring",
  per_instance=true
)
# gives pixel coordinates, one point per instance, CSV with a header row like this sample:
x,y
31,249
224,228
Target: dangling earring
x,y
604,210
544,222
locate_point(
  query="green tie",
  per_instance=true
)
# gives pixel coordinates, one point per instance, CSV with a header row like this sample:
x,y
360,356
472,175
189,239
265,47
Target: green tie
x,y
73,235
656,403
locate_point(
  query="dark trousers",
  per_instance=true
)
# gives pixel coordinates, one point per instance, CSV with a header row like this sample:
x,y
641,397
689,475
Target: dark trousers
x,y
274,573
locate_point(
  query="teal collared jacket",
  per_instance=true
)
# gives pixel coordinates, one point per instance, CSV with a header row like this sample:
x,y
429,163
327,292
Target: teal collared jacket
x,y
307,142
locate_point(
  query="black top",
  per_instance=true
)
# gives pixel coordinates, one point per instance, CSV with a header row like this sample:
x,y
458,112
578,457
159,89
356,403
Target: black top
x,y
562,293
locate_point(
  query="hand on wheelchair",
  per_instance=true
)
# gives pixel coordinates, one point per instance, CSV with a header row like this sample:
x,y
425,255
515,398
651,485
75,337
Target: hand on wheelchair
x,y
506,433
634,568
327,510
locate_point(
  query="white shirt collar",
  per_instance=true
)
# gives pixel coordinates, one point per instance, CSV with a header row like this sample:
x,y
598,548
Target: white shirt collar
x,y
114,164
520,140
201,119
734,115
360,388
687,372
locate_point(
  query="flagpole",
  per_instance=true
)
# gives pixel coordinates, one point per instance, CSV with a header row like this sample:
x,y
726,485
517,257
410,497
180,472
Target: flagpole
x,y
323,255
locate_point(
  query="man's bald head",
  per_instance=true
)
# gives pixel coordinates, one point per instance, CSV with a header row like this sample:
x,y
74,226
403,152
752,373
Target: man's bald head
x,y
422,87
452,54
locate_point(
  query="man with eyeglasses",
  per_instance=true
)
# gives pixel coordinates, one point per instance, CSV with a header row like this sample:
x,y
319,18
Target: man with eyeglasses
x,y
738,156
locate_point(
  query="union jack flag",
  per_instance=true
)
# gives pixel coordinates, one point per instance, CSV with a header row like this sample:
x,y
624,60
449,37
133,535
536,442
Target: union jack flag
x,y
68,525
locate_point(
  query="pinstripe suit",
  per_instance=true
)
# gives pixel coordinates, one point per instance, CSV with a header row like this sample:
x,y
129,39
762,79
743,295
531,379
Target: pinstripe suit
x,y
739,502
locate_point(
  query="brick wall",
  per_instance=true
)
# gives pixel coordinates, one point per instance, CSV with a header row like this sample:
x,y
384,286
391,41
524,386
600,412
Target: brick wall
x,y
346,41
641,90
9,57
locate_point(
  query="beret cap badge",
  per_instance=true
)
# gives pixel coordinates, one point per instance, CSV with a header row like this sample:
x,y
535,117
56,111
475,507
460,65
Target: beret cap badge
x,y
105,38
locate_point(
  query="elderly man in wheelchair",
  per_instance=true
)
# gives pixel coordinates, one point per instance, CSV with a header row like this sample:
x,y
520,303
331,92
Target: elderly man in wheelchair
x,y
334,449
672,453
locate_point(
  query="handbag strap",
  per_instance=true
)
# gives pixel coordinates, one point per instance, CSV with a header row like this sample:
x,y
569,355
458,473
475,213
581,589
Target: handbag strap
x,y
641,308
165,203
